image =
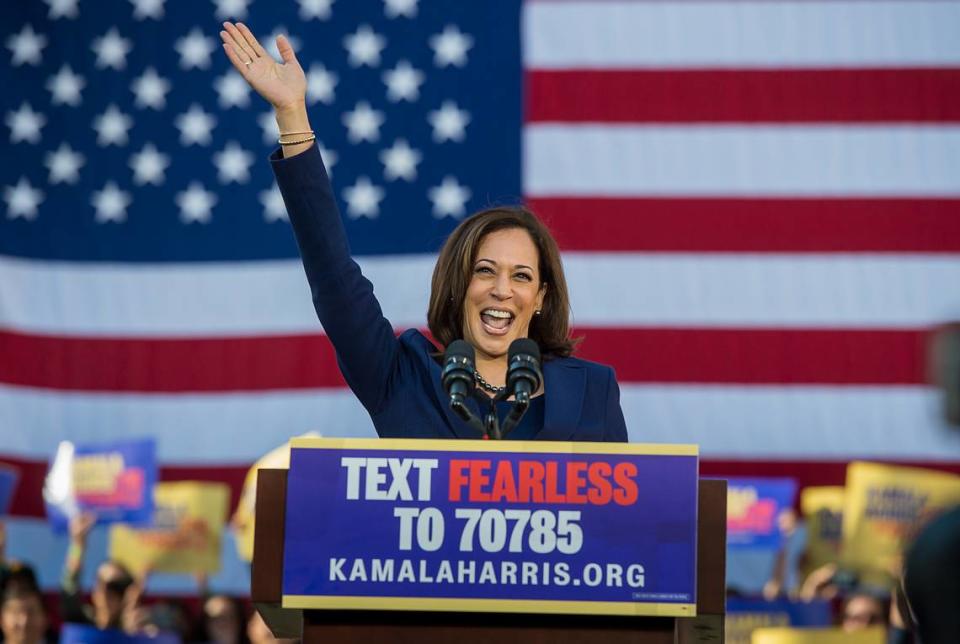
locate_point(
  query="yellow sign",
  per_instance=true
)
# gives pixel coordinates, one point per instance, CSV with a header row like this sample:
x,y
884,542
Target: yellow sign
x,y
186,535
885,506
822,508
740,626
243,518
875,635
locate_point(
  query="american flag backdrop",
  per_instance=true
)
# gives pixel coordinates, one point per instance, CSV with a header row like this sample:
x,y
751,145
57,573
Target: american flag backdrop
x,y
759,204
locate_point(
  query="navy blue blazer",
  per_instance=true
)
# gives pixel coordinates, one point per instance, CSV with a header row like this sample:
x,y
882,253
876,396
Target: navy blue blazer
x,y
397,379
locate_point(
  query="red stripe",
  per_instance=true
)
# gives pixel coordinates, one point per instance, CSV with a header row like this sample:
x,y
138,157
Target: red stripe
x,y
761,356
752,225
28,500
168,365
744,96
640,355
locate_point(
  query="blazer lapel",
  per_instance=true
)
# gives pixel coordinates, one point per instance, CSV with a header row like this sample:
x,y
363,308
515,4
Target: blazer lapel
x,y
564,384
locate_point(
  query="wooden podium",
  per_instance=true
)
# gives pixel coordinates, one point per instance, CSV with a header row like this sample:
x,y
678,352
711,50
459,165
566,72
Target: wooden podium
x,y
466,628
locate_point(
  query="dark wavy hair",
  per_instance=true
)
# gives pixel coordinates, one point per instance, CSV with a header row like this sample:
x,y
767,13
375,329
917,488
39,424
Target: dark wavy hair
x,y
454,270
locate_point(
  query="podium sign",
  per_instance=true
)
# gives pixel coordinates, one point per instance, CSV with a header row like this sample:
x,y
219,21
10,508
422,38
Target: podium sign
x,y
519,526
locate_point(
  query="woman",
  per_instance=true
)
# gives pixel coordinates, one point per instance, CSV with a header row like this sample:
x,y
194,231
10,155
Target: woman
x,y
498,278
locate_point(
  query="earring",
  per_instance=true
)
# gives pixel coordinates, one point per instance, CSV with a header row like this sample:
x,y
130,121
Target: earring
x,y
536,312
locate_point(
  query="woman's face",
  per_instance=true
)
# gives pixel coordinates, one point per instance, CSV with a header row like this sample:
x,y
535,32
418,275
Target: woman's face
x,y
504,292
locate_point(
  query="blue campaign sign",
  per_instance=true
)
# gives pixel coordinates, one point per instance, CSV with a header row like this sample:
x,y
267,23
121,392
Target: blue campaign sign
x,y
523,526
753,508
113,480
783,611
86,634
8,485
745,615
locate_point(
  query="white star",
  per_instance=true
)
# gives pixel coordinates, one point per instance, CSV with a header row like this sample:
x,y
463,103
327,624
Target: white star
x,y
363,199
112,126
111,204
65,87
273,206
329,158
394,8
319,9
231,8
195,126
62,9
450,47
64,165
400,161
449,198
25,124
364,47
150,89
403,82
320,84
272,39
111,50
363,123
149,165
26,46
233,164
268,123
194,50
449,122
143,9
22,200
233,90
195,204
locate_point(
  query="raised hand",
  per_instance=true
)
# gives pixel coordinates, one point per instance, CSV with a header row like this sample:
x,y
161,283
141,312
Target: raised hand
x,y
80,526
284,85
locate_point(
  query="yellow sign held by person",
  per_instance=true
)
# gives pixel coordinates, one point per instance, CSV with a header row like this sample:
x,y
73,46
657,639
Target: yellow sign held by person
x,y
186,535
885,506
874,635
243,518
822,509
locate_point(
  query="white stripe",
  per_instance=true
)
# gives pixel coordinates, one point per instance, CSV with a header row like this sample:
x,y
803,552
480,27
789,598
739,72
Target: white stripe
x,y
741,422
835,291
190,299
634,160
198,428
612,289
897,423
805,33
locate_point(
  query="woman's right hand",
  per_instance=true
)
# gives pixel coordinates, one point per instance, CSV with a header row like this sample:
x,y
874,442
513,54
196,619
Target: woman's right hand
x,y
283,85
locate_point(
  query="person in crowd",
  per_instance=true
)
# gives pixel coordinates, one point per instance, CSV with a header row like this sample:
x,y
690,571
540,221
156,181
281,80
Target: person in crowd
x,y
23,617
498,278
114,589
259,633
862,609
932,579
223,621
167,616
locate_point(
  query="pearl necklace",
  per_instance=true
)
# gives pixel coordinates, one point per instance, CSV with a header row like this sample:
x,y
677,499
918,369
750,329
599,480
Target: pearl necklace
x,y
486,385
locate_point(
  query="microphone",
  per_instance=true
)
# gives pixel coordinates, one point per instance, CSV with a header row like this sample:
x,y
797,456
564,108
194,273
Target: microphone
x,y
523,378
458,379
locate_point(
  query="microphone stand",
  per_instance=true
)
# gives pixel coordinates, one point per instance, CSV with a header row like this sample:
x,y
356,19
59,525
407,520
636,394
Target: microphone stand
x,y
491,424
520,405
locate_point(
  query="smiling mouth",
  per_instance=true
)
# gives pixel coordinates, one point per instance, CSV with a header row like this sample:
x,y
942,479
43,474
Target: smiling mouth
x,y
496,321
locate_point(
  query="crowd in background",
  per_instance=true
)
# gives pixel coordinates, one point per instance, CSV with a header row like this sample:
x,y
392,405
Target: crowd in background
x,y
116,601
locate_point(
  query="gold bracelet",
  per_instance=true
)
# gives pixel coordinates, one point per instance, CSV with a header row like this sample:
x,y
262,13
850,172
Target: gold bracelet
x,y
292,133
298,142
